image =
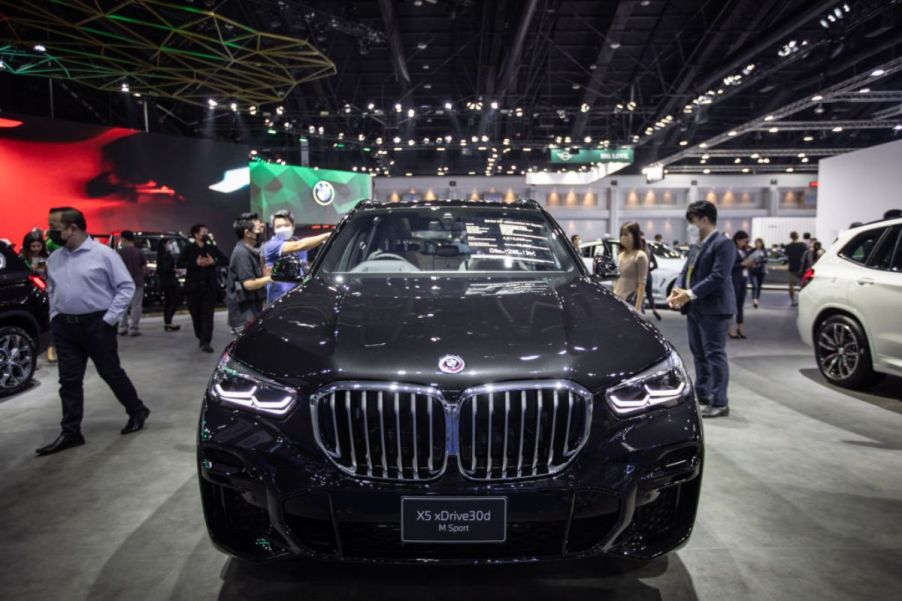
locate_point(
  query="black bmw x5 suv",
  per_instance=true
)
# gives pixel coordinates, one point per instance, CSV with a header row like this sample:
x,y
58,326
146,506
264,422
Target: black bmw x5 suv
x,y
449,384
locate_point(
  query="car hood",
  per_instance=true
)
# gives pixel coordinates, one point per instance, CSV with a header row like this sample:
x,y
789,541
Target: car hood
x,y
397,328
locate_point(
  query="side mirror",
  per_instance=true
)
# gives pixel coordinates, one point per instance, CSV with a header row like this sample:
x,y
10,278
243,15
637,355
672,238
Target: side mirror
x,y
289,269
605,268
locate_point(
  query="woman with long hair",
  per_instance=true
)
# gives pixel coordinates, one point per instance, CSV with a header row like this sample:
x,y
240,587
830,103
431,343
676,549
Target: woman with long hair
x,y
740,274
34,252
633,264
758,270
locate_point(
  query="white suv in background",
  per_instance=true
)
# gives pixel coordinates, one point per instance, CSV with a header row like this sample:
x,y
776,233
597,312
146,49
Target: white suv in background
x,y
850,306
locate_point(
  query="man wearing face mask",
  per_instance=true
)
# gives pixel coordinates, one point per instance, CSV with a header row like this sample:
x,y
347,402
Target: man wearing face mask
x,y
282,244
90,290
200,260
704,293
246,290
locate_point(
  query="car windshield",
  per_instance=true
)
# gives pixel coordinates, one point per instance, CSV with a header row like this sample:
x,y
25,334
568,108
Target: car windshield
x,y
447,240
662,251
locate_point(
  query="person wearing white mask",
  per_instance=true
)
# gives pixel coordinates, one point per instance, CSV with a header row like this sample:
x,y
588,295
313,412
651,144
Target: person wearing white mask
x,y
704,293
282,244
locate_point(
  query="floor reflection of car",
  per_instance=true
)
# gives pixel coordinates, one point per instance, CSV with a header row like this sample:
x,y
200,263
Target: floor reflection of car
x,y
449,384
849,306
670,262
24,322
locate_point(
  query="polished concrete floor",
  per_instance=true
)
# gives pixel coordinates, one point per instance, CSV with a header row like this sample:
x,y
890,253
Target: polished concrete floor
x,y
802,496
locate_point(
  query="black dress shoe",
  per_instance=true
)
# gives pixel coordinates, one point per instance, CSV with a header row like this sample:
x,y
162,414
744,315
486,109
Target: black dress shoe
x,y
207,348
170,328
136,422
63,441
715,411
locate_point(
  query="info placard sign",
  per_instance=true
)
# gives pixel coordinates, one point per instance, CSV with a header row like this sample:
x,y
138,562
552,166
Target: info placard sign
x,y
453,519
584,156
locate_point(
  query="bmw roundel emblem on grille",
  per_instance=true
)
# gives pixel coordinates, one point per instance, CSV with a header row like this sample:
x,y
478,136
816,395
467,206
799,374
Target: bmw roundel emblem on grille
x,y
451,364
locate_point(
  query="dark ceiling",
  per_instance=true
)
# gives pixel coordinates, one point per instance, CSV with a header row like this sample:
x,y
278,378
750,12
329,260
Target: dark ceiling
x,y
573,73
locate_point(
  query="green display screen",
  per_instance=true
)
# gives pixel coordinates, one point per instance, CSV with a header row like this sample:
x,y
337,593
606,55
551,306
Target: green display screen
x,y
313,195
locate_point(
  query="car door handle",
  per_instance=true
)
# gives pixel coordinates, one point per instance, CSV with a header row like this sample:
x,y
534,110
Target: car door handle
x,y
865,281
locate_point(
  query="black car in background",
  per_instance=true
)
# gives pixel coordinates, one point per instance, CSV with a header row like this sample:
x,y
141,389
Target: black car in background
x,y
24,322
149,243
449,384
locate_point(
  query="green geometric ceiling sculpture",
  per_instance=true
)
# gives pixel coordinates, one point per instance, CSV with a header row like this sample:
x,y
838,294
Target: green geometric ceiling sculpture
x,y
156,48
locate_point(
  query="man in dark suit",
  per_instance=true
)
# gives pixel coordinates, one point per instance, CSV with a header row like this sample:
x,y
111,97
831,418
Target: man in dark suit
x,y
704,292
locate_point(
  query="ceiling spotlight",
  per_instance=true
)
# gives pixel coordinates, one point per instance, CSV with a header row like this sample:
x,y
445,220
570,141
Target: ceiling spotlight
x,y
732,133
769,118
898,127
817,98
40,48
745,169
805,160
584,108
494,104
774,130
615,45
422,45
864,90
706,171
587,139
484,138
124,87
448,106
398,108
789,170
234,107
280,110
755,155
808,138
684,142
877,72
410,113
396,140
212,103
370,106
837,129
411,142
252,110
737,160
361,137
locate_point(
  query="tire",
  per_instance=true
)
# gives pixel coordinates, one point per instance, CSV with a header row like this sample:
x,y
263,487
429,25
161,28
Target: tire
x,y
18,360
842,353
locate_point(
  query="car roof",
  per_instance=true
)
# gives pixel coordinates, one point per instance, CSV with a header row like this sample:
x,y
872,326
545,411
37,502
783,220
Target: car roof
x,y
447,202
850,233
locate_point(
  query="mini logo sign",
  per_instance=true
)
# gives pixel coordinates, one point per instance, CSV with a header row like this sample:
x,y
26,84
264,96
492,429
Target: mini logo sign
x,y
323,193
451,364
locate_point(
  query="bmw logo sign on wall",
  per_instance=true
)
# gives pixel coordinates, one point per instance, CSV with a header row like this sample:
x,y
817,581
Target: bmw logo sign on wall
x,y
323,193
451,364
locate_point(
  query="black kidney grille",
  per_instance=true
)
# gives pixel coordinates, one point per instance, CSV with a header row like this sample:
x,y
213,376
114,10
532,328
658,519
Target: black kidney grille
x,y
387,434
513,433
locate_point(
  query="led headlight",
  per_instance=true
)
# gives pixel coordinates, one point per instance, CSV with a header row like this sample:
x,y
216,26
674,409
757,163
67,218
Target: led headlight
x,y
663,385
236,384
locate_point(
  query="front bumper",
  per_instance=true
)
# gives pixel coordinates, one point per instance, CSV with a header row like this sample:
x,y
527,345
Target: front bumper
x,y
268,492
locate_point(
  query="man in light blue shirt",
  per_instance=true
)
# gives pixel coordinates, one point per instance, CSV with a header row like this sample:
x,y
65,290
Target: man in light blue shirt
x,y
282,244
90,290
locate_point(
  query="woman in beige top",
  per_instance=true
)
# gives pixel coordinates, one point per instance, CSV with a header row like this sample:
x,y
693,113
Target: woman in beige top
x,y
633,263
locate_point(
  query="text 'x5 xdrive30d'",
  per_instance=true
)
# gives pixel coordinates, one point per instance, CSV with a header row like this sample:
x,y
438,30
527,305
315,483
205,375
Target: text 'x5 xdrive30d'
x,y
449,384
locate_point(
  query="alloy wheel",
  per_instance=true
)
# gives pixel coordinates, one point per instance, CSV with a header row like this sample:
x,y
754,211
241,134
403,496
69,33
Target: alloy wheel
x,y
838,351
16,360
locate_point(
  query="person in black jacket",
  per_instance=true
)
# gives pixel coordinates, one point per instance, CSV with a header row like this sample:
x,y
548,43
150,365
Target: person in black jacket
x,y
704,292
168,281
200,259
740,276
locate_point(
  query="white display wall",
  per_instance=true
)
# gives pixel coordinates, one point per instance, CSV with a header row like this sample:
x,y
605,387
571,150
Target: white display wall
x,y
858,186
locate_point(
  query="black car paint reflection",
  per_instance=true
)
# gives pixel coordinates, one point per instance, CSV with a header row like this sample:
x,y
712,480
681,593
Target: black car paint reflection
x,y
269,490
